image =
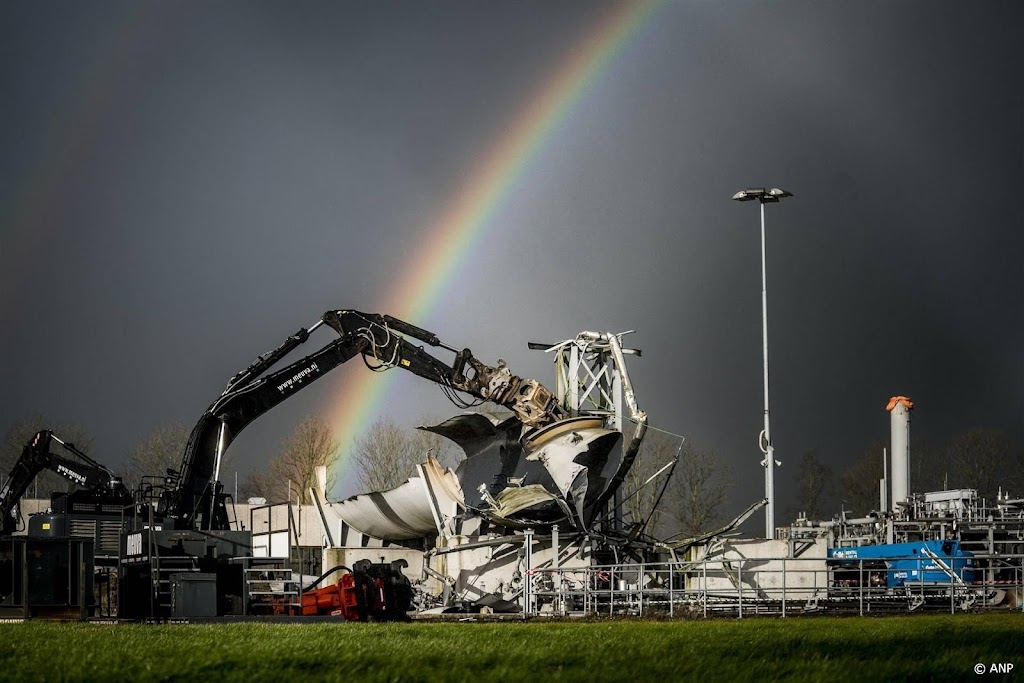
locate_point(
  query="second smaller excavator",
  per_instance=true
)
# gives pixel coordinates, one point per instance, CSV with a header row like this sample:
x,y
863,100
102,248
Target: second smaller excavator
x,y
51,570
98,489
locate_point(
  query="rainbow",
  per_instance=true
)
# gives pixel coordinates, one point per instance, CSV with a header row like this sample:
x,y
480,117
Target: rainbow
x,y
464,220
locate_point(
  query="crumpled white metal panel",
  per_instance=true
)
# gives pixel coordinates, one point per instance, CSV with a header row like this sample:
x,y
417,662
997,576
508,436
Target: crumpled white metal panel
x,y
406,511
559,456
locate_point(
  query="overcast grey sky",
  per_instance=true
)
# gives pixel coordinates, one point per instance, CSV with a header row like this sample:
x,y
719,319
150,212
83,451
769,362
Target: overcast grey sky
x,y
184,184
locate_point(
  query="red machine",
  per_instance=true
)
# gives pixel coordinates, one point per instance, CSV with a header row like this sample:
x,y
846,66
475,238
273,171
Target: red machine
x,y
369,592
343,599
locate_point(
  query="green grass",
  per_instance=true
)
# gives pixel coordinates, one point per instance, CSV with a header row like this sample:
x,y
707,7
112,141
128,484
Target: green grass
x,y
919,647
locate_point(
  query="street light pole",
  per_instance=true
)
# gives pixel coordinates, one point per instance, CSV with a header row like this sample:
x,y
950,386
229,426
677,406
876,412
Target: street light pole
x,y
765,439
766,436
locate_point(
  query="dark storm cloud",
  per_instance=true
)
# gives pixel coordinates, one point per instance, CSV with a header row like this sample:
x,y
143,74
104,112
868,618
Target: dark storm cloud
x,y
206,178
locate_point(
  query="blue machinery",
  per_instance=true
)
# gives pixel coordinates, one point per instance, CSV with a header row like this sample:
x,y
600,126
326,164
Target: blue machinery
x,y
919,562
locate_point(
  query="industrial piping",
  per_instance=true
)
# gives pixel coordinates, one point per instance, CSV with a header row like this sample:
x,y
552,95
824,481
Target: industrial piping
x,y
899,420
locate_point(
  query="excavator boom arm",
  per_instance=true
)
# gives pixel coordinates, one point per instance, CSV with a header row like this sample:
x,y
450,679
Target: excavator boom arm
x,y
195,500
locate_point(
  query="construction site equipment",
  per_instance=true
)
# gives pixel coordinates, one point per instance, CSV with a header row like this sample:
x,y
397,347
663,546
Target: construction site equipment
x,y
938,561
98,490
191,526
196,498
369,591
52,571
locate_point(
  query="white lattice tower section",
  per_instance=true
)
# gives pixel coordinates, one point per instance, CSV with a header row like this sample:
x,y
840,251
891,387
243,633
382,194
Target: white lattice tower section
x,y
591,378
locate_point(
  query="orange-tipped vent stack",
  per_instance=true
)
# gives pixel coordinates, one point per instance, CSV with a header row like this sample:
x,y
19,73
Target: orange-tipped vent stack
x,y
896,400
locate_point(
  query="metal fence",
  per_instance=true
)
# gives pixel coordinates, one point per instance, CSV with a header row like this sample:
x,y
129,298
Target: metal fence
x,y
718,586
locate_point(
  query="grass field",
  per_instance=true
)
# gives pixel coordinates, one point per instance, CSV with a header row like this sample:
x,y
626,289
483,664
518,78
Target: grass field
x,y
917,647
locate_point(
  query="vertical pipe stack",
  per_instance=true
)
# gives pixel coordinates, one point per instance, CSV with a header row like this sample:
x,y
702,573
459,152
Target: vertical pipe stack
x,y
899,420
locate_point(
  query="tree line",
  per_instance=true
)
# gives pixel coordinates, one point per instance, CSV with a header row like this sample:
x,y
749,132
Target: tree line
x,y
674,487
980,458
384,458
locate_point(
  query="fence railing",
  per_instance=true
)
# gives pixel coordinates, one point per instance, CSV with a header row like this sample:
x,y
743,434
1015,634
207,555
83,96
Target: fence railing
x,y
747,586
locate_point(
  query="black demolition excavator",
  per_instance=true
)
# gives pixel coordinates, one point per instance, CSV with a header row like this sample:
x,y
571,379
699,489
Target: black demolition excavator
x,y
190,526
196,499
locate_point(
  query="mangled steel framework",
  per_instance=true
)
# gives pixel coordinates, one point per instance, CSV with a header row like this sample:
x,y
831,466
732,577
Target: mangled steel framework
x,y
522,499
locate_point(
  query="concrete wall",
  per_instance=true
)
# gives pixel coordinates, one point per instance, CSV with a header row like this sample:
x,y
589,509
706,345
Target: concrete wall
x,y
765,569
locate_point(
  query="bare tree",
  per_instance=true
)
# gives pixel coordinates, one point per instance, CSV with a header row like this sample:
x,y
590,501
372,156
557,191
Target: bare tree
x,y
156,452
20,432
385,456
929,466
310,446
388,454
261,484
641,492
859,481
698,490
442,450
980,458
814,479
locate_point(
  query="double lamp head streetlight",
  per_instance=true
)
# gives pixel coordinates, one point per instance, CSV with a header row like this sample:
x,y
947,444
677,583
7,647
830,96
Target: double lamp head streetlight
x,y
763,197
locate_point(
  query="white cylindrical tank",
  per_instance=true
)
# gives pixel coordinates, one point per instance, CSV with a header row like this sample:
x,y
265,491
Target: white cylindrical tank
x,y
899,420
